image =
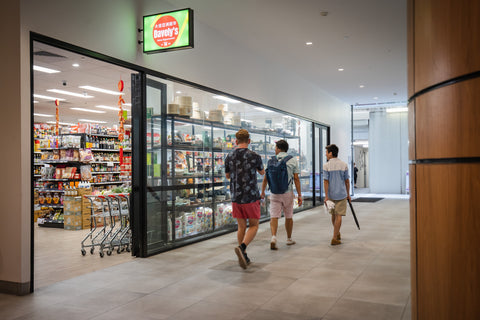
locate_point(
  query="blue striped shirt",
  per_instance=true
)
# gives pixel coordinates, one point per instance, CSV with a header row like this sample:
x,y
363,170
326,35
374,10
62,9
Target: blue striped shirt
x,y
336,172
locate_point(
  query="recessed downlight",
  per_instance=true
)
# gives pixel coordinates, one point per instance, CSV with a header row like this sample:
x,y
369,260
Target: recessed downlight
x,y
340,69
309,43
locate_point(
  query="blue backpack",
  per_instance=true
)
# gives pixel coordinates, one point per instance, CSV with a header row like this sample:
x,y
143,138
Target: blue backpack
x,y
277,175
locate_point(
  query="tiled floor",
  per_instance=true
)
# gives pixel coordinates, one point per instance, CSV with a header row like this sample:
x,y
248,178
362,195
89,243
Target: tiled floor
x,y
367,277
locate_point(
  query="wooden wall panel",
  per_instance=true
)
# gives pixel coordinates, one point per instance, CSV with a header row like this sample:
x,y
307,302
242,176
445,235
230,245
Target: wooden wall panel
x,y
413,239
448,250
447,121
446,40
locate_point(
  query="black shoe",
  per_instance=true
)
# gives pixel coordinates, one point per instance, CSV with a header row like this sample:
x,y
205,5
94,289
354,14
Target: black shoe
x,y
246,258
242,261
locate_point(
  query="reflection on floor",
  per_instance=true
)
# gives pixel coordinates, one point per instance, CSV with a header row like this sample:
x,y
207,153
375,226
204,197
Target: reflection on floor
x,y
58,256
366,277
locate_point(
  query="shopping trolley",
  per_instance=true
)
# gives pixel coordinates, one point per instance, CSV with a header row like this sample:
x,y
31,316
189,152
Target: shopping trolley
x,y
120,226
99,225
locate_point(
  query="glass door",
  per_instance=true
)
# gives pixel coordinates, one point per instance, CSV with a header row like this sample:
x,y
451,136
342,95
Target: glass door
x,y
150,223
321,140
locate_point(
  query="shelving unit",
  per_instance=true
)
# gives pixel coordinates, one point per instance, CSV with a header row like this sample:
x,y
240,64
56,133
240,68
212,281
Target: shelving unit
x,y
187,174
66,154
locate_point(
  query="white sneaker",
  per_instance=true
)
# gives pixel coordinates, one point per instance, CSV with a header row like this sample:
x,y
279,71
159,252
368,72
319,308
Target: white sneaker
x,y
290,241
273,243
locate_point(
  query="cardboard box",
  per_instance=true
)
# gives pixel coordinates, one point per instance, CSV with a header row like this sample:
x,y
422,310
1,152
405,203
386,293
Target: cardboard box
x,y
72,222
72,206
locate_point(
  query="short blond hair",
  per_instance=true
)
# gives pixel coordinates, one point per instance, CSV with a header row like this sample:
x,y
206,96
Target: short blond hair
x,y
242,136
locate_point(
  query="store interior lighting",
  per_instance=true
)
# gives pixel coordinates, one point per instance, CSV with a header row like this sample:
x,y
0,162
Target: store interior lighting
x,y
44,69
115,93
68,93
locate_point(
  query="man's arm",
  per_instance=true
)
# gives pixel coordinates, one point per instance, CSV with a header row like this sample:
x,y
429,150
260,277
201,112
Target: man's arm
x,y
325,187
264,186
296,180
347,186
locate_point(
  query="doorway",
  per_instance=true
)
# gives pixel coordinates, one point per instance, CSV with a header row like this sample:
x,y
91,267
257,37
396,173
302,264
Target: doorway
x,y
76,107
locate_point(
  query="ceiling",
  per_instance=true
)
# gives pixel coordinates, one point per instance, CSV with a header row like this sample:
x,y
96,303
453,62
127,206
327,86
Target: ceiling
x,y
367,39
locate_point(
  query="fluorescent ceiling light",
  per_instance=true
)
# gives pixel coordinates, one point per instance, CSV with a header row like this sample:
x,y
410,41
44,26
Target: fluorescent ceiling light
x,y
309,43
43,115
401,109
108,107
47,97
115,93
360,143
80,95
35,101
46,70
62,123
361,86
76,65
127,104
93,121
88,110
225,99
263,109
340,69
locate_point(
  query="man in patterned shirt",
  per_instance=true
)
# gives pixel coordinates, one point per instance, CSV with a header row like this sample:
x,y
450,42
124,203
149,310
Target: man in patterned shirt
x,y
241,167
337,186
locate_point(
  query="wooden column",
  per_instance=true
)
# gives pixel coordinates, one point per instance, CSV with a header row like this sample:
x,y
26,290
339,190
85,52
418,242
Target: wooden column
x,y
444,153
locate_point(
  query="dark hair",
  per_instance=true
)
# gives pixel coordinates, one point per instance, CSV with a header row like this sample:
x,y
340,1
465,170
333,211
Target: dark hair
x,y
282,145
242,136
333,149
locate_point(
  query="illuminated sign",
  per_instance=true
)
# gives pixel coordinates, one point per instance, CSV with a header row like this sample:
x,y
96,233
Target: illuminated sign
x,y
168,31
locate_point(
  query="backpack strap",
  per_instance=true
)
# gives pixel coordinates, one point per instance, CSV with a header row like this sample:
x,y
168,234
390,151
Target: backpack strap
x,y
285,160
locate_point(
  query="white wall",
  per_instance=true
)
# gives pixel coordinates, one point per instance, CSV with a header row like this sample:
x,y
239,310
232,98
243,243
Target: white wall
x,y
388,152
110,28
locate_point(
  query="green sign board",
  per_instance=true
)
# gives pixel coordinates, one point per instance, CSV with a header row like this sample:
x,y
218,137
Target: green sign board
x,y
168,31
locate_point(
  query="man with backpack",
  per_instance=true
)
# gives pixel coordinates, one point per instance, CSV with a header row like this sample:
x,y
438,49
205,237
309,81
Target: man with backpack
x,y
281,173
241,167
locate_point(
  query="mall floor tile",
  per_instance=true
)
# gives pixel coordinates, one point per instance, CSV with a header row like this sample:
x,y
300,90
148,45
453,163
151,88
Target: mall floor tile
x,y
366,277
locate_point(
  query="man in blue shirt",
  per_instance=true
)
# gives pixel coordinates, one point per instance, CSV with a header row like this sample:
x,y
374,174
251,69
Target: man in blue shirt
x,y
337,185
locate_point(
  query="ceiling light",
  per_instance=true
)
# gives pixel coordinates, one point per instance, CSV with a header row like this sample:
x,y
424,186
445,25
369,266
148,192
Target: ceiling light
x,y
263,109
80,95
88,110
93,121
43,115
375,98
360,143
226,99
178,92
108,107
340,69
76,65
47,97
400,109
62,123
309,43
361,86
35,101
43,69
115,93
127,104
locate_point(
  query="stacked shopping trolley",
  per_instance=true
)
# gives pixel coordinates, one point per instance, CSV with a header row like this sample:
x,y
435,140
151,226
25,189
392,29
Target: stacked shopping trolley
x,y
110,225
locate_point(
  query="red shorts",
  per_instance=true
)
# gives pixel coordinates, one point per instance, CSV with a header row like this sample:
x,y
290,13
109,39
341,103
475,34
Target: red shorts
x,y
246,210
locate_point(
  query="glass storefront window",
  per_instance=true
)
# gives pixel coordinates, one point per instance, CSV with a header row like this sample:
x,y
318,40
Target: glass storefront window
x,y
189,132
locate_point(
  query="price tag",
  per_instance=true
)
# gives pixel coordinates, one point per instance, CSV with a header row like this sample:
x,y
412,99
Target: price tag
x,y
110,164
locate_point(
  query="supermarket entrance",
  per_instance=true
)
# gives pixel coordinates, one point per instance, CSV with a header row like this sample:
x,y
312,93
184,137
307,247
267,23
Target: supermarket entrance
x,y
81,164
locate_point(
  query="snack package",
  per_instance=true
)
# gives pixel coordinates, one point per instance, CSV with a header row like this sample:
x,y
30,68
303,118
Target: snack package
x,y
86,172
86,155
